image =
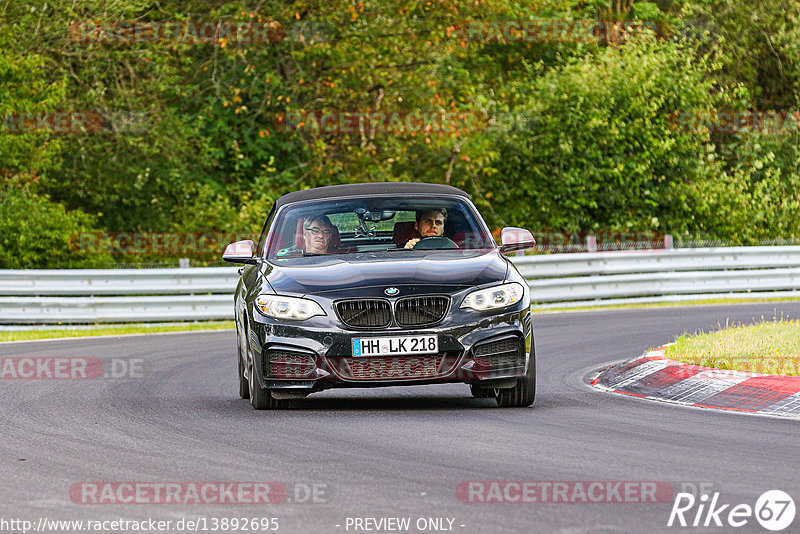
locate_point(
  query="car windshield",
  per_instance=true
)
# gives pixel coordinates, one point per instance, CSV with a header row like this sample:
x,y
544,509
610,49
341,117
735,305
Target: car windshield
x,y
397,224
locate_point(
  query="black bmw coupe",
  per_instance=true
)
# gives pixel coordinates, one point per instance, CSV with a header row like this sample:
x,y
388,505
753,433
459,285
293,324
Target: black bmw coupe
x,y
381,284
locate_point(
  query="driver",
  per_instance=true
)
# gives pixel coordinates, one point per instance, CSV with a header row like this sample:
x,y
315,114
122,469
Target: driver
x,y
430,223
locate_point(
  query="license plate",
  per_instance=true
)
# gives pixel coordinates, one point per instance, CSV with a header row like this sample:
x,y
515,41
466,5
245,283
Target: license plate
x,y
380,346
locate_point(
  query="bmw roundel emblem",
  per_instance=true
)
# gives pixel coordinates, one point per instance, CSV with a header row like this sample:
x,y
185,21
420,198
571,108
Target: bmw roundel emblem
x,y
391,291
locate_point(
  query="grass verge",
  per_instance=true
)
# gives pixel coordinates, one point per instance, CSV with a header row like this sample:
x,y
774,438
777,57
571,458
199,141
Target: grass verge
x,y
112,330
769,347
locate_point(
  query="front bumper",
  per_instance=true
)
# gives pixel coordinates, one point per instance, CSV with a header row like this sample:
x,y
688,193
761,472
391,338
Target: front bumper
x,y
487,349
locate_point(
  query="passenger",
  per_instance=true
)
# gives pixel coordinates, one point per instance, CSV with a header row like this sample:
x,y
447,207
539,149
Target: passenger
x,y
317,233
430,223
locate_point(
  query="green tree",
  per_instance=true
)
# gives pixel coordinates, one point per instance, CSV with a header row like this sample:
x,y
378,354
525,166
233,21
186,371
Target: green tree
x,y
602,151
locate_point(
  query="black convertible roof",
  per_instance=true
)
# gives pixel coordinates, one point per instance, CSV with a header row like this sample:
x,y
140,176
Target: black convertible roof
x,y
351,190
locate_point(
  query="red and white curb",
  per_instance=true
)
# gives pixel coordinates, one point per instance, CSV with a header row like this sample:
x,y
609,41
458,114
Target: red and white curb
x,y
655,377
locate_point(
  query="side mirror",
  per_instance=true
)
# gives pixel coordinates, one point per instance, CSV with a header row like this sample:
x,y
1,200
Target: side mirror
x,y
240,252
516,239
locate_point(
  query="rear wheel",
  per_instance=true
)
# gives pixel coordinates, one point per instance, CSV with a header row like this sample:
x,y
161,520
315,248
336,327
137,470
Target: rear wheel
x,y
482,393
261,398
524,392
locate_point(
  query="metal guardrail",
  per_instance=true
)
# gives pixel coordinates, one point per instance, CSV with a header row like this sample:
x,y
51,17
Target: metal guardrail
x,y
116,295
50,310
562,280
567,280
118,281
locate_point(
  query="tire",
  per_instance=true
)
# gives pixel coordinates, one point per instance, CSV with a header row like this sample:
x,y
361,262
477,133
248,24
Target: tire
x,y
261,398
482,393
244,386
524,392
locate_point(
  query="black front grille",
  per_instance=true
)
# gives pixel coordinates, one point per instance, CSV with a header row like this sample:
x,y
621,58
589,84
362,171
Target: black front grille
x,y
416,311
364,313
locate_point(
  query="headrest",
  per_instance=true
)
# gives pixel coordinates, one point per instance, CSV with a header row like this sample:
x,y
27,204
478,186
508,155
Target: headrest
x,y
403,231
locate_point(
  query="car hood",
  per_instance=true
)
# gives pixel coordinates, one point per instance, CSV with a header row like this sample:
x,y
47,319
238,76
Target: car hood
x,y
447,270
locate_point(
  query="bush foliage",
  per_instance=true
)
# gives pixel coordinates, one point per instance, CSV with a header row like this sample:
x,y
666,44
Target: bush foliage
x,y
574,135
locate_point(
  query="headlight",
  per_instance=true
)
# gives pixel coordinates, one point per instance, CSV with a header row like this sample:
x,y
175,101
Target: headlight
x,y
494,298
292,308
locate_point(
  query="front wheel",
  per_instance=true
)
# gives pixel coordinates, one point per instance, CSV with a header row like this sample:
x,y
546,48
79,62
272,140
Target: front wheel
x,y
244,386
261,398
524,392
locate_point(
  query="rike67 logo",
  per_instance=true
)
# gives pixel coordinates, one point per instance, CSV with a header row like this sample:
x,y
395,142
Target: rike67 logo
x,y
774,510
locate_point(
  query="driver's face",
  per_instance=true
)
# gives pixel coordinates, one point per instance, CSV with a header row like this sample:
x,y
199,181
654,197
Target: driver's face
x,y
431,224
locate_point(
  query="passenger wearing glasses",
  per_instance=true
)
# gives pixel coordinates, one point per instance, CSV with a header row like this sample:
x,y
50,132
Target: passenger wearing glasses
x,y
317,235
317,232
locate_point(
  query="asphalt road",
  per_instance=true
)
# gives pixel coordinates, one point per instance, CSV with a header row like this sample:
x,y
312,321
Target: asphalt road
x,y
394,452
